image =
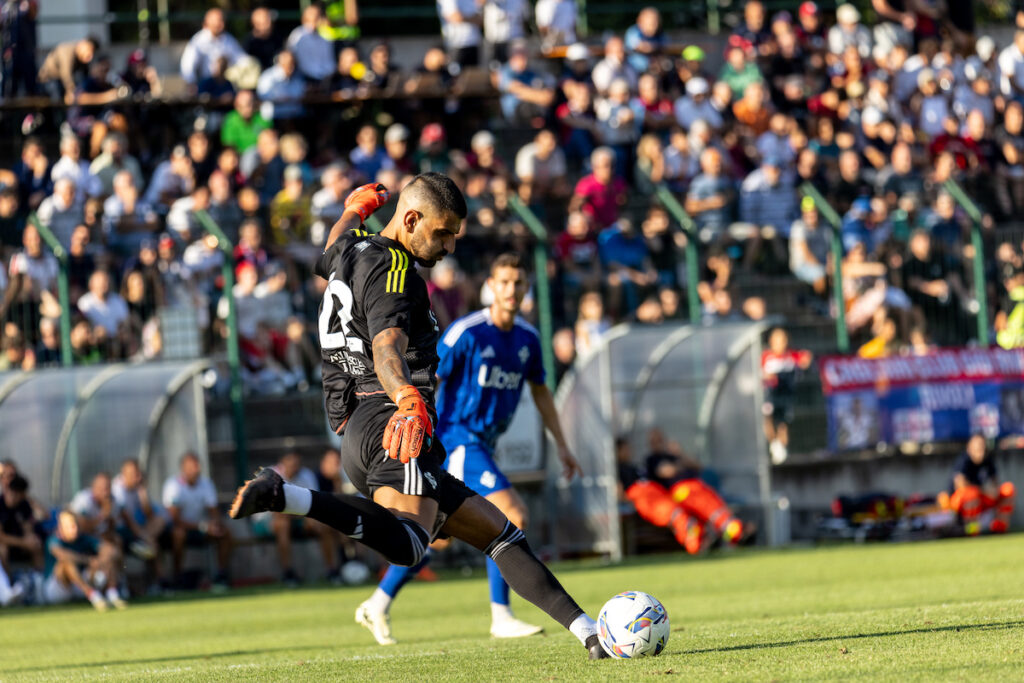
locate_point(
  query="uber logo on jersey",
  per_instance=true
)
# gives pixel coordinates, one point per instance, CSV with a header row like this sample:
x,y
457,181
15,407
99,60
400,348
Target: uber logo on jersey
x,y
497,378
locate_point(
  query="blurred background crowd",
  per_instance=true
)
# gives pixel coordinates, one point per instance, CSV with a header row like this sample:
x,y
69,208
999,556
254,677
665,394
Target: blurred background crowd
x,y
876,114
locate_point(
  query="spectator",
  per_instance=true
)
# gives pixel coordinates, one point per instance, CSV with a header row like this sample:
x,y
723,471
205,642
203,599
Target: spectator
x,y
140,77
72,166
191,501
944,225
313,54
577,254
33,278
591,323
83,347
19,540
601,194
768,203
396,145
48,351
738,72
248,307
930,105
96,510
627,264
223,208
282,89
264,167
644,39
852,183
779,367
541,169
752,111
328,203
662,245
710,197
503,23
286,527
173,179
127,219
886,343
460,26
1009,181
66,66
655,112
263,41
19,64
61,211
526,95
613,67
975,490
208,45
849,32
368,158
243,124
113,158
901,180
1011,68
809,245
556,22
142,520
618,126
753,34
694,106
250,245
934,283
106,310
32,174
76,562
578,125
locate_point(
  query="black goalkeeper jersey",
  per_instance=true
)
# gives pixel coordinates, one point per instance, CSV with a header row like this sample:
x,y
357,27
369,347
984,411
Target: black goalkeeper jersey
x,y
372,285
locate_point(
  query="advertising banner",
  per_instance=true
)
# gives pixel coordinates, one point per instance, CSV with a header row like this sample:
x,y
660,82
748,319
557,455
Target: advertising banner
x,y
943,396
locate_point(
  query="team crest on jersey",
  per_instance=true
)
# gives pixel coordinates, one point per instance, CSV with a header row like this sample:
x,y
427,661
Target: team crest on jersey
x,y
524,355
488,352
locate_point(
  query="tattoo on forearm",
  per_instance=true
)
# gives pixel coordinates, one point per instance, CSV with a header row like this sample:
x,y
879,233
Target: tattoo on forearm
x,y
388,362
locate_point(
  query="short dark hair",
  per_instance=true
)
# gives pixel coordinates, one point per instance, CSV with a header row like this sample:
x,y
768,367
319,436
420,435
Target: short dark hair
x,y
19,484
440,191
509,259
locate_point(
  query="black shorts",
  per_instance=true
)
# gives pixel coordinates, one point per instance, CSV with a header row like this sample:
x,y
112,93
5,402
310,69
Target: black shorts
x,y
369,468
778,406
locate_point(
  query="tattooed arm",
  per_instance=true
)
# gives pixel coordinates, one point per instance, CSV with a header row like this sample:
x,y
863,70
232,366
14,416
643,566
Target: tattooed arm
x,y
389,360
348,221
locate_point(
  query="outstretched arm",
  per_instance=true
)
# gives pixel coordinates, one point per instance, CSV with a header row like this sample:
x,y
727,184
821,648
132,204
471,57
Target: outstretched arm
x,y
545,403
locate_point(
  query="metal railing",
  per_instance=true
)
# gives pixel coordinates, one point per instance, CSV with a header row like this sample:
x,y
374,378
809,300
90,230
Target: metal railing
x,y
978,257
540,267
233,353
829,213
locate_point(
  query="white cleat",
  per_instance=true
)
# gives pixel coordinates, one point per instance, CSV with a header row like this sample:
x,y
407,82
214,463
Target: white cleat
x,y
98,602
513,628
376,622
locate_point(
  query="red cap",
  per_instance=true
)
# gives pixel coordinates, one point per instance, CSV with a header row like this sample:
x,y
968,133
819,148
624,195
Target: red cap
x,y
136,57
432,132
808,9
241,267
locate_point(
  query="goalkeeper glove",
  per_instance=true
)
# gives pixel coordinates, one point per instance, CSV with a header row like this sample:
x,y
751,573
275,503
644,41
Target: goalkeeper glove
x,y
367,199
409,427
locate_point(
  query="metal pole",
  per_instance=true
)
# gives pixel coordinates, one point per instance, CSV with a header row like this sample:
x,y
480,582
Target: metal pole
x,y
234,357
826,210
688,225
540,260
63,294
977,262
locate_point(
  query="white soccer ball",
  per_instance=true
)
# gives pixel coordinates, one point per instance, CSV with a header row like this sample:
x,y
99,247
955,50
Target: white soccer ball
x,y
633,624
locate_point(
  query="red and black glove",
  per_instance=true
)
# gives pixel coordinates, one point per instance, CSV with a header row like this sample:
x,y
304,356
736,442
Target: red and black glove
x,y
409,427
367,199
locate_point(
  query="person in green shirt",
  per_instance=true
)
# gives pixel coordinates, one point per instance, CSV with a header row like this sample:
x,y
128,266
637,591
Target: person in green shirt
x,y
739,71
243,124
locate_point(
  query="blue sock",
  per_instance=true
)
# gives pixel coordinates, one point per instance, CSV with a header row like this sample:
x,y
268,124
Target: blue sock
x,y
397,576
499,589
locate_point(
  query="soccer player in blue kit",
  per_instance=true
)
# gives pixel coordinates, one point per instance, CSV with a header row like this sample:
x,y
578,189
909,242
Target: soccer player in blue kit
x,y
485,358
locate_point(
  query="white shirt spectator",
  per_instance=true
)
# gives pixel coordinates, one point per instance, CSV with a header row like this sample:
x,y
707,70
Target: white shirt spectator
x,y
107,313
608,70
248,310
86,184
463,33
839,39
42,271
129,501
313,53
542,172
84,505
202,258
504,20
281,95
275,304
558,18
180,216
192,501
62,219
1011,70
203,50
934,111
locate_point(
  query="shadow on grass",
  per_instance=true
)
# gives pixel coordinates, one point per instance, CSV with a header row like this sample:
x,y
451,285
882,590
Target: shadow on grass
x,y
149,660
991,626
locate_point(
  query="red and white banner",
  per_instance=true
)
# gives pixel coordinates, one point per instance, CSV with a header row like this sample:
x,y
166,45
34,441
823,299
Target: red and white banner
x,y
850,373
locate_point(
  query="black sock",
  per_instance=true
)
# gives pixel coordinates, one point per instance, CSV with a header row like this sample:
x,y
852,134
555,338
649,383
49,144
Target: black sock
x,y
400,541
528,576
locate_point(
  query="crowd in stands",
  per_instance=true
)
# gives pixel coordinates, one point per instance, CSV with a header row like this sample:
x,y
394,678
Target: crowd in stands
x,y
78,550
876,115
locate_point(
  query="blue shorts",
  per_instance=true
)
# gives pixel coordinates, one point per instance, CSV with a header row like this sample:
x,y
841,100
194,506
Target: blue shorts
x,y
474,464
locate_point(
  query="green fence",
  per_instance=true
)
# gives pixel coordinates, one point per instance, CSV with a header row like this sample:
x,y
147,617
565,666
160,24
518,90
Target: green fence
x,y
977,259
826,210
63,292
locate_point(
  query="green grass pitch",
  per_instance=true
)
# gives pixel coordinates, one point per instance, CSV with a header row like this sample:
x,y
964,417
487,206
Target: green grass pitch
x,y
930,611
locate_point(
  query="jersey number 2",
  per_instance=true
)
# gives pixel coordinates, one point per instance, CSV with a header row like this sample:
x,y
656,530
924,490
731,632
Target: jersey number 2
x,y
338,293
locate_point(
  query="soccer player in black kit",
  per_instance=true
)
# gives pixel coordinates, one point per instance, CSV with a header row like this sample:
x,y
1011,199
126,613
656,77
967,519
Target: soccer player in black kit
x,y
378,340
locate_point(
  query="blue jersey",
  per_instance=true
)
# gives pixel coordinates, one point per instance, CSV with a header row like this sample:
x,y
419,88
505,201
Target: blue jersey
x,y
483,368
